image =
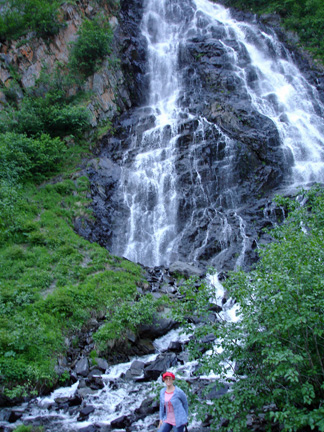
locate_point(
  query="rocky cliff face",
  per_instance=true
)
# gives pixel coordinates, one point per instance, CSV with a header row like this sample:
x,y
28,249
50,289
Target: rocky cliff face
x,y
26,58
228,166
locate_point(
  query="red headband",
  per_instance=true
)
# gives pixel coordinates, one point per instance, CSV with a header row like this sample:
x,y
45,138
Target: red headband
x,y
168,374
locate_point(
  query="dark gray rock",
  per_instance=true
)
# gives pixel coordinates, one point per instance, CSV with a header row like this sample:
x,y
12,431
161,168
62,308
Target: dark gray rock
x,y
90,428
185,269
160,365
148,406
136,370
102,364
85,412
15,415
82,367
94,382
217,391
159,327
121,422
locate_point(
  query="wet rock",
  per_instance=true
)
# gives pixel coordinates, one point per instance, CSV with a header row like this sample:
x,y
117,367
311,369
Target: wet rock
x,y
90,428
82,367
101,364
95,382
121,422
160,365
136,370
148,406
159,327
15,415
145,346
218,391
94,372
175,347
184,269
85,412
75,400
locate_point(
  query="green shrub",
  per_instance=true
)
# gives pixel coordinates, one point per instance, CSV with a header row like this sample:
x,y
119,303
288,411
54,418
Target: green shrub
x,y
38,115
22,157
22,16
125,316
93,44
279,342
11,217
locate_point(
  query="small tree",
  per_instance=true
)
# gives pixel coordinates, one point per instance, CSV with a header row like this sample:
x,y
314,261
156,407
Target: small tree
x,y
278,344
93,44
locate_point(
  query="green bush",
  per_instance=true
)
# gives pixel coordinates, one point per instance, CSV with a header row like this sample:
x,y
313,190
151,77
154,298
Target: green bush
x,y
22,157
279,342
11,217
93,44
22,16
51,114
125,316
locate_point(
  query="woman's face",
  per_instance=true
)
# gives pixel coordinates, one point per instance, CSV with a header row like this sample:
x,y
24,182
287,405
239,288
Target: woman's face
x,y
168,381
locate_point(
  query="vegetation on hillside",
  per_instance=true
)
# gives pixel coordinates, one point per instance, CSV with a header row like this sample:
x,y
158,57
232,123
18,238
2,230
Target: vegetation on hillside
x,y
305,17
92,45
42,17
18,17
52,281
278,344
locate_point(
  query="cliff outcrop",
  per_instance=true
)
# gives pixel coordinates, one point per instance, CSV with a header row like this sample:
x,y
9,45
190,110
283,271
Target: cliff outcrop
x,y
22,61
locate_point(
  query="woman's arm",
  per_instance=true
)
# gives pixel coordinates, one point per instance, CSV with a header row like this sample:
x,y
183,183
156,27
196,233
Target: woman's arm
x,y
184,400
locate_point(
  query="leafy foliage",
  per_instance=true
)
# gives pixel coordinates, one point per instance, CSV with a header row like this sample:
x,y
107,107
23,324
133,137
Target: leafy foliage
x,y
278,344
18,17
23,428
23,157
93,44
51,283
124,317
51,114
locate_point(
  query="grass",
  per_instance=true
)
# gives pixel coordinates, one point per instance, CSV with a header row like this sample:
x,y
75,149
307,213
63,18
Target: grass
x,y
52,281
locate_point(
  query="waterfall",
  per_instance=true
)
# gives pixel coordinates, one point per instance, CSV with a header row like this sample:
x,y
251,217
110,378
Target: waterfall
x,y
279,91
188,171
180,180
148,184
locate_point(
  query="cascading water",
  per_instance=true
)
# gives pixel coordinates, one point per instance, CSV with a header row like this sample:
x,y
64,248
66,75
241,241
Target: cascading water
x,y
182,181
279,91
191,168
149,182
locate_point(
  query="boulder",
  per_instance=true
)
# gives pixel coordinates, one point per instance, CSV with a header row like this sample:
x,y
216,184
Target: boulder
x,y
121,422
136,370
185,269
148,406
159,327
85,412
160,365
82,367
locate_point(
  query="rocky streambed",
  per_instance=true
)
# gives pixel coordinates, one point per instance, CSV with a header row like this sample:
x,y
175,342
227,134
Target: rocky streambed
x,y
120,392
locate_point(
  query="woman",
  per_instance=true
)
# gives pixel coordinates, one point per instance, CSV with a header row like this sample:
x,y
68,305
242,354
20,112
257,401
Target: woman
x,y
173,406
